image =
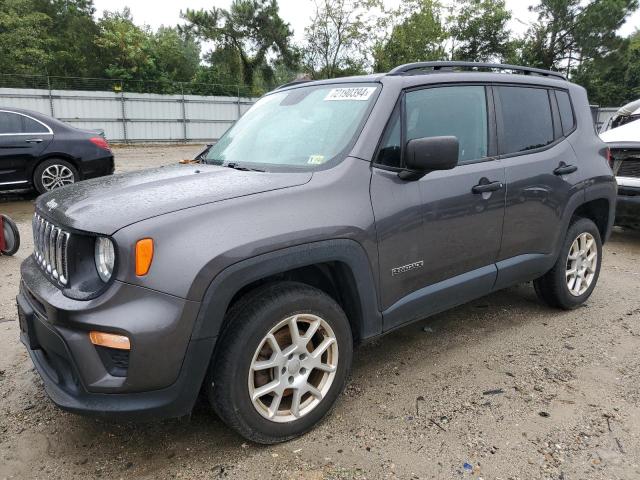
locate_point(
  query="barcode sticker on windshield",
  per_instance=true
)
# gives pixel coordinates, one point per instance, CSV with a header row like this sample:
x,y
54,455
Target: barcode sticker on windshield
x,y
353,93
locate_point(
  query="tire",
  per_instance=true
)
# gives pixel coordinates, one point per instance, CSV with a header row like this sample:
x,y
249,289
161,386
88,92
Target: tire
x,y
554,287
231,380
11,236
54,173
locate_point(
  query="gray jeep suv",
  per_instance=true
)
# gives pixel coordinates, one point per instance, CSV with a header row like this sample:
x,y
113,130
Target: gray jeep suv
x,y
331,213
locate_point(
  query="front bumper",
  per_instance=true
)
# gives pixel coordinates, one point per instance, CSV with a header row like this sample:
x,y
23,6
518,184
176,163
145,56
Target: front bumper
x,y
628,207
165,370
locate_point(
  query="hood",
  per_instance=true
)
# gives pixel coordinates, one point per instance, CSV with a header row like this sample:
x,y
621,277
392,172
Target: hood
x,y
629,132
104,205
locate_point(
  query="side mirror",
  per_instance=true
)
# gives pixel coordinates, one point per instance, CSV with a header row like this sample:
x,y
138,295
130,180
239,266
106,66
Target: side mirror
x,y
424,155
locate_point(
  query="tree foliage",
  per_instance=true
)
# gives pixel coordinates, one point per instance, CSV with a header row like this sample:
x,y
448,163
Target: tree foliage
x,y
478,31
336,41
252,48
570,30
252,29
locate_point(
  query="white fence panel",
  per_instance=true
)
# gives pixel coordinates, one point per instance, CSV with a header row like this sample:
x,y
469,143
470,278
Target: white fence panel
x,y
134,117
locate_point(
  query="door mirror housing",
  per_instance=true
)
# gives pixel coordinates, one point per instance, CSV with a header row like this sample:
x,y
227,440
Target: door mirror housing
x,y
424,155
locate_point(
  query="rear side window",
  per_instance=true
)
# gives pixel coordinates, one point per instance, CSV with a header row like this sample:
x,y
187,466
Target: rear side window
x,y
10,123
460,111
526,118
566,112
15,123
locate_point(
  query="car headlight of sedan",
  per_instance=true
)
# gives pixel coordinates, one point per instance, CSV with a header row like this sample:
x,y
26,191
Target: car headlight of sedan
x,y
105,258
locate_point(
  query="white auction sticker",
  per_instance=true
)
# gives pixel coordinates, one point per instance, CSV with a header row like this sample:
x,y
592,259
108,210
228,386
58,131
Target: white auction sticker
x,y
352,93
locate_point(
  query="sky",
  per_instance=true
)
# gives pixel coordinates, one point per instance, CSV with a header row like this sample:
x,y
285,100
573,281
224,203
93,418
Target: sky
x,y
296,12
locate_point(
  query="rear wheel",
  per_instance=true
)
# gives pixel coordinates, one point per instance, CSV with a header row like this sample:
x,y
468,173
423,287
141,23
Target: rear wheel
x,y
54,173
282,362
574,276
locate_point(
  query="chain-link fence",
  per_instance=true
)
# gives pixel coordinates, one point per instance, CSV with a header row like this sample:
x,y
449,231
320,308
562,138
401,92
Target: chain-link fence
x,y
131,111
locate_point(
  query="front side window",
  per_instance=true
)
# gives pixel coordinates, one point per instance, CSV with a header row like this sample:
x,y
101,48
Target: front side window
x,y
304,128
526,118
459,111
10,123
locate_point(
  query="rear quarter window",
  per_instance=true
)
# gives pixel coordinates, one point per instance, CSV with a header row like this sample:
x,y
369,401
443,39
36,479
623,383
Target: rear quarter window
x,y
566,112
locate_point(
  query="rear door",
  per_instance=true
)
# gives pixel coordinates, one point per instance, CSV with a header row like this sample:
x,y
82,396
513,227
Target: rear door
x,y
22,140
441,233
540,172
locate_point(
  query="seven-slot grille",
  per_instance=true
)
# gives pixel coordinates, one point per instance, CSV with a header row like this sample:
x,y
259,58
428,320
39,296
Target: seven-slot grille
x,y
50,249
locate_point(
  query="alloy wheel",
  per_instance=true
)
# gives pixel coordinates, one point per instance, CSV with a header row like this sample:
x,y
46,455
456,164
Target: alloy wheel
x,y
55,176
293,368
582,263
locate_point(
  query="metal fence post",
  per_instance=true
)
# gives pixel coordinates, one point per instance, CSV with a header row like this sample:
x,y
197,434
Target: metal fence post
x,y
184,114
239,109
50,96
124,114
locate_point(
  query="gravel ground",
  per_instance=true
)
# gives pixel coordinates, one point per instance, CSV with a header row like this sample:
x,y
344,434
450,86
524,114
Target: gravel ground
x,y
502,388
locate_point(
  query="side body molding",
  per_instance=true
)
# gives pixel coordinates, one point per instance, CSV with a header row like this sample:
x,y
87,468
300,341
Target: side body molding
x,y
230,280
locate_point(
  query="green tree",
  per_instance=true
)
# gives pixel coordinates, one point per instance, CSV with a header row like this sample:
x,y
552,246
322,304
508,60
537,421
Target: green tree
x,y
128,49
613,79
336,42
24,38
421,36
177,54
71,30
569,31
479,31
253,28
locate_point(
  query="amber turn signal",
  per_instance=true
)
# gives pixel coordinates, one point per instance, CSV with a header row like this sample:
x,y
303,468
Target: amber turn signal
x,y
110,340
144,256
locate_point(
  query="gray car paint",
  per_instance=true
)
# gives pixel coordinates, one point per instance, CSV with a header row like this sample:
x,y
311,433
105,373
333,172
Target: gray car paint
x,y
215,229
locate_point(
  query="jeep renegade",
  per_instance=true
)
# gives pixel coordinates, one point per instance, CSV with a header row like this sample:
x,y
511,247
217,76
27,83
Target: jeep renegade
x,y
332,212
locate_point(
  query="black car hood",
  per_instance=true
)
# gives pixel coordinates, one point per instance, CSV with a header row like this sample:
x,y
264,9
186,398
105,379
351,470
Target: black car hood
x,y
104,205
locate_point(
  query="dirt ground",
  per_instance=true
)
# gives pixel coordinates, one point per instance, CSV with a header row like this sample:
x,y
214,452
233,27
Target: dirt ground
x,y
502,388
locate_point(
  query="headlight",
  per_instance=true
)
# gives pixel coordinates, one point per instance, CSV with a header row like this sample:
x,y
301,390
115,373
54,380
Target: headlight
x,y
105,258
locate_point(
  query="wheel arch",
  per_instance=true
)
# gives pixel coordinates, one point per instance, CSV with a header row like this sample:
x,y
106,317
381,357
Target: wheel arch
x,y
340,268
52,156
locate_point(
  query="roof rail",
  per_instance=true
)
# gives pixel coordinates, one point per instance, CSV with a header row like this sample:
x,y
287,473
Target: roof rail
x,y
450,66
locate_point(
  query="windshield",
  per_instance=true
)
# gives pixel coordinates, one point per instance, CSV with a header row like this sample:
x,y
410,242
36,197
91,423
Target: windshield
x,y
303,127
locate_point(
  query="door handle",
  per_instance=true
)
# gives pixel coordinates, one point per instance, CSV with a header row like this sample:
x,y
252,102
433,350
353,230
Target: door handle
x,y
34,140
565,169
487,187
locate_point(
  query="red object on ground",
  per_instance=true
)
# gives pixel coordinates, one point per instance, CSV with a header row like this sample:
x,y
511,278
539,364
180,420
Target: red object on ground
x,y
2,244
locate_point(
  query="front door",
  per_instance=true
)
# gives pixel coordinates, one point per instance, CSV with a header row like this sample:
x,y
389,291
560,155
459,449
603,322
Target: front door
x,y
438,237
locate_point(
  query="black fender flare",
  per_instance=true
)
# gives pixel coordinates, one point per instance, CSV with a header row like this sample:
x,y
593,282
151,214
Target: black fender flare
x,y
238,275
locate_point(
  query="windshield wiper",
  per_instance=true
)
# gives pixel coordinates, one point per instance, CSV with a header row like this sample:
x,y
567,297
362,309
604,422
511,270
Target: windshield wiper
x,y
235,166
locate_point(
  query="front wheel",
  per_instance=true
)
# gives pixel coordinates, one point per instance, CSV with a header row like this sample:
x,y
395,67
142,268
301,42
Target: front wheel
x,y
282,362
574,276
